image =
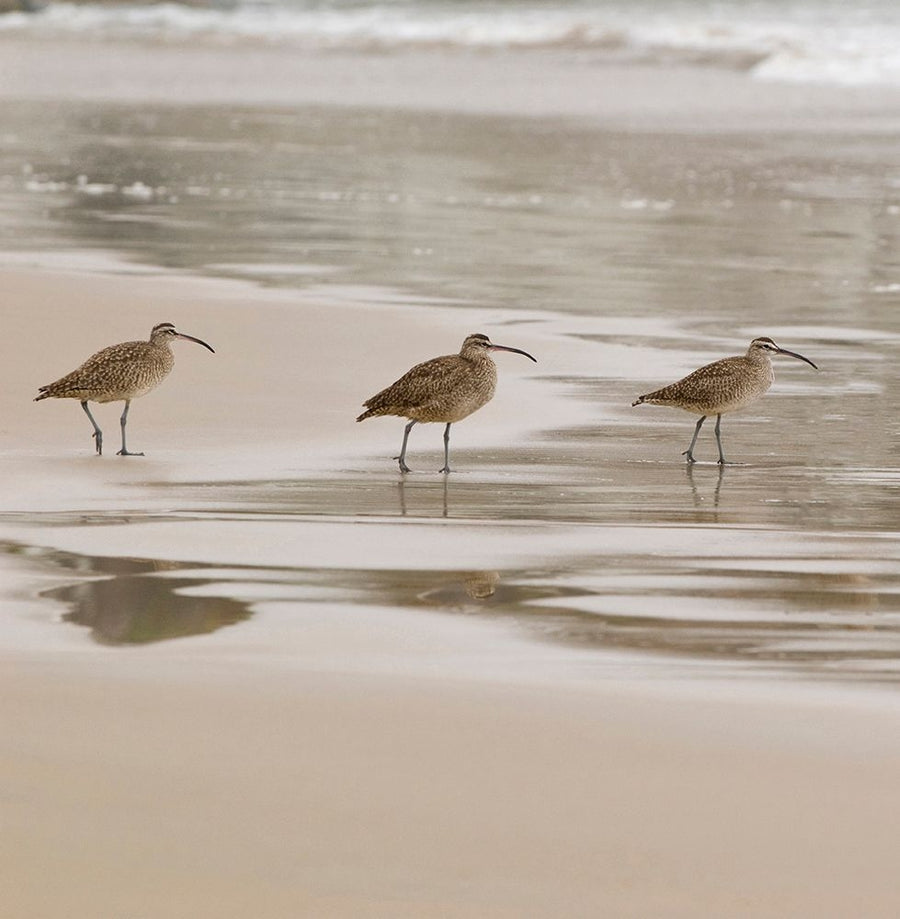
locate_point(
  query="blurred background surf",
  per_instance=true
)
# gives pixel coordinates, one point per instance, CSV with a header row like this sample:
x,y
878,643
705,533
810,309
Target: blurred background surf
x,y
805,41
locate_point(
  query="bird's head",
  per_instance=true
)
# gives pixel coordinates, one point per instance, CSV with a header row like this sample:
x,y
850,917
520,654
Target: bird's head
x,y
478,345
766,346
165,332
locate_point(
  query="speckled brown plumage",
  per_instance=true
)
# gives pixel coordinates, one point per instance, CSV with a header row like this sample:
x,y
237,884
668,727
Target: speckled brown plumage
x,y
119,373
444,389
722,386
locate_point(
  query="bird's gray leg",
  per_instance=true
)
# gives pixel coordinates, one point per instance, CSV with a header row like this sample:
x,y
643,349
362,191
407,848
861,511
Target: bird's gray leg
x,y
98,434
689,453
123,421
402,456
446,467
719,440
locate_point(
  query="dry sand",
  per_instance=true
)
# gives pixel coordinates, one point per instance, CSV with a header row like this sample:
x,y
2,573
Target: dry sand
x,y
187,787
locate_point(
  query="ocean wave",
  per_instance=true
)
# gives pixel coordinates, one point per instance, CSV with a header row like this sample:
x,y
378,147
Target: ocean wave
x,y
813,43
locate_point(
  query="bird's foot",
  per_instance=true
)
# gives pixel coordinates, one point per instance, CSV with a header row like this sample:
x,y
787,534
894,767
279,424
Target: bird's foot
x,y
445,469
402,462
124,452
689,457
98,443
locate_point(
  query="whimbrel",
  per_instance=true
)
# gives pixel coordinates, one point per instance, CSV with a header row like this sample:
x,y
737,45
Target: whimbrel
x,y
445,389
120,373
722,386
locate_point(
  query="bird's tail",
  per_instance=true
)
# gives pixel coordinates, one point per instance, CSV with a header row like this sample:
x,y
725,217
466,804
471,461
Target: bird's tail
x,y
639,400
368,413
43,394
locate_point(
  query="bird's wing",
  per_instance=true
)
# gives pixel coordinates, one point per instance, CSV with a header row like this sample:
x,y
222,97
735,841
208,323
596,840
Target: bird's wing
x,y
96,370
417,387
724,369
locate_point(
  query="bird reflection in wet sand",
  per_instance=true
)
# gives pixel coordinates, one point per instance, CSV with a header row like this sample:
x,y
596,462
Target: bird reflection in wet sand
x,y
699,499
424,510
459,594
445,389
482,585
143,609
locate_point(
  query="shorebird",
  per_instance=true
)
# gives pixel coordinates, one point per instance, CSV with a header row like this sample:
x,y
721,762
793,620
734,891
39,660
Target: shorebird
x,y
445,389
722,386
120,373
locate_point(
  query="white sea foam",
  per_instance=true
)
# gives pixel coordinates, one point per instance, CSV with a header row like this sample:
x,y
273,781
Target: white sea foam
x,y
816,41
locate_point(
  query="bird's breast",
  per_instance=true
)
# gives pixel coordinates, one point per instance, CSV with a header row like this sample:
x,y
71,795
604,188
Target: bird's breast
x,y
460,394
138,375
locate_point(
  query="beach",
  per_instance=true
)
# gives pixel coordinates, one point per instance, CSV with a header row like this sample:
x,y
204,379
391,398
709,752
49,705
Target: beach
x,y
259,672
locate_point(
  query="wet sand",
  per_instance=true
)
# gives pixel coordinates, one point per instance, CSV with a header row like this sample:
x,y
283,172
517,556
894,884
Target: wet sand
x,y
257,672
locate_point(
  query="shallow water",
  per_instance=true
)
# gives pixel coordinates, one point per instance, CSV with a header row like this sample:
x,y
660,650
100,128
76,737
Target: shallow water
x,y
677,597
430,207
699,571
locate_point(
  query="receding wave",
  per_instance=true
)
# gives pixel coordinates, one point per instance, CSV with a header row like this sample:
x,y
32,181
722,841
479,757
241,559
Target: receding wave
x,y
792,44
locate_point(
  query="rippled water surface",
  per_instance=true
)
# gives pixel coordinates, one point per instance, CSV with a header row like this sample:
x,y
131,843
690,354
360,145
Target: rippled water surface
x,y
537,214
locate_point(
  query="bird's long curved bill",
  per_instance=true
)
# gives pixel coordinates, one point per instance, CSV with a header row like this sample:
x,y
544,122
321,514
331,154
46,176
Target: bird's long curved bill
x,y
799,357
513,350
199,341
